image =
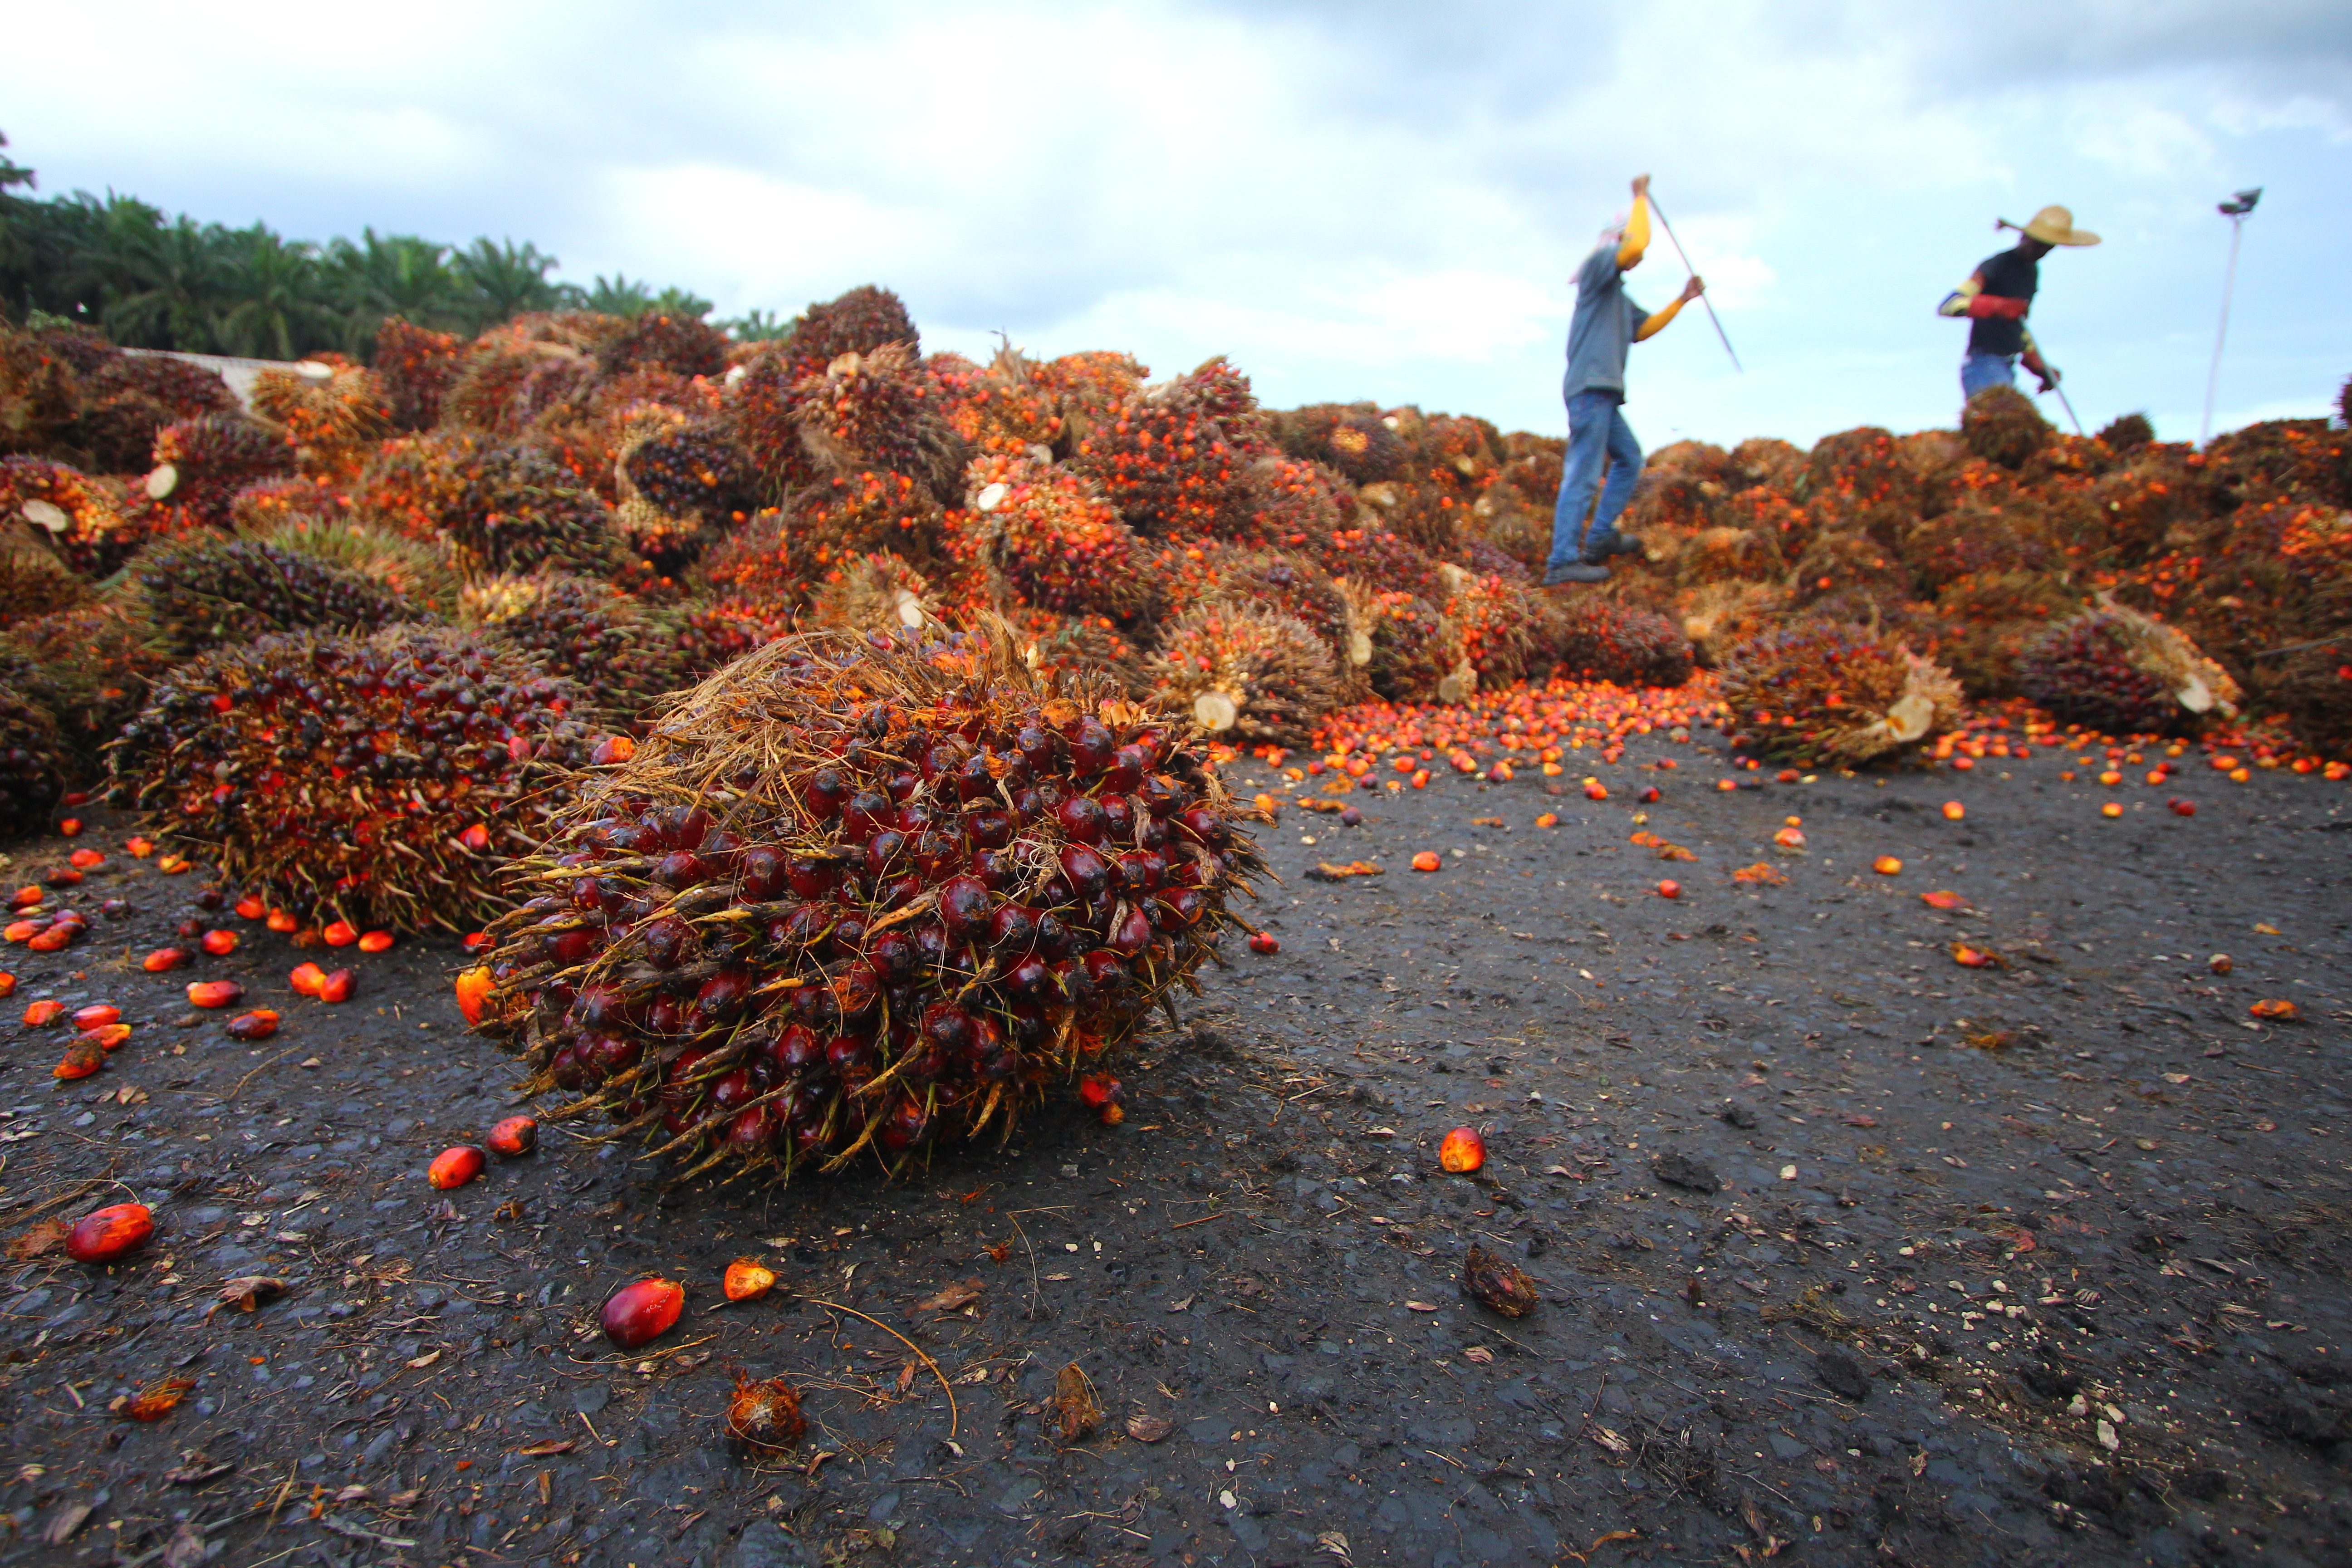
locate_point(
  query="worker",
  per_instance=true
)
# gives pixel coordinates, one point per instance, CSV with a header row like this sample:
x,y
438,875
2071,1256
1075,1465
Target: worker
x,y
1996,298
1605,326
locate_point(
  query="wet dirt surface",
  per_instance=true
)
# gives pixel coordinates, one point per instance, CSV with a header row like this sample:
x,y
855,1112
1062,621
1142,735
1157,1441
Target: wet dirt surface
x,y
2074,1293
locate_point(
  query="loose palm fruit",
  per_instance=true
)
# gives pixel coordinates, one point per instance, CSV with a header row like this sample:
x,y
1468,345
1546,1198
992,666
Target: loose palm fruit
x,y
82,1058
514,1137
338,985
747,1280
1462,1152
765,1416
257,1025
214,992
107,1234
454,1167
640,1313
164,958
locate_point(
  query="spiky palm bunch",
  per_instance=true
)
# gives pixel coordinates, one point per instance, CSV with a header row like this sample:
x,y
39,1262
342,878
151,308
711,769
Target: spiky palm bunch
x,y
40,392
710,637
1974,538
878,592
418,367
1600,639
1053,535
682,345
274,503
802,923
34,580
1289,504
2001,425
620,655
875,410
1166,459
1090,387
202,463
517,509
2315,689
1846,561
1824,694
1071,648
1004,409
381,780
1993,618
1857,473
1498,624
1407,651
333,422
1727,554
694,470
1248,669
1719,616
96,662
204,590
2124,673
1288,584
127,397
864,319
1348,438
510,382
34,760
85,517
1374,554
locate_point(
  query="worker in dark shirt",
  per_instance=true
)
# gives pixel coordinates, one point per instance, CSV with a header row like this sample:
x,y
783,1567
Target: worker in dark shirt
x,y
1606,324
1996,298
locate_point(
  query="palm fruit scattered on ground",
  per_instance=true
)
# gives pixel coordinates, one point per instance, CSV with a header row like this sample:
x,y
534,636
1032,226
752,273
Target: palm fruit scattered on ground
x,y
1820,694
2117,670
864,896
204,590
381,780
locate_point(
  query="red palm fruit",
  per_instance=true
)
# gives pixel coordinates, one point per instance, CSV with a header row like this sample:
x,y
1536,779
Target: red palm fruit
x,y
640,1313
84,859
454,1167
108,1037
251,907
282,921
341,933
474,987
336,986
306,979
25,898
1462,1152
164,958
43,1013
83,1057
97,1015
105,1235
257,1025
71,828
7,985
219,944
514,1137
214,992
747,1280
370,942
765,1416
1670,888
1265,943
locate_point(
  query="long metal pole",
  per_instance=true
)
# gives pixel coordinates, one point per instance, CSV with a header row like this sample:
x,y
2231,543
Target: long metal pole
x,y
2229,286
1694,272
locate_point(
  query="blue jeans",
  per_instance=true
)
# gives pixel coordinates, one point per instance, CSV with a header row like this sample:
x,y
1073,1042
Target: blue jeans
x,y
1980,371
1596,430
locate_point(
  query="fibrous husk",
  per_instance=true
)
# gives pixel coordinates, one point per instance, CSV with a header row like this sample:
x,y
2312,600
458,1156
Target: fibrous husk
x,y
1825,694
1720,615
878,592
1243,668
341,776
2117,670
803,924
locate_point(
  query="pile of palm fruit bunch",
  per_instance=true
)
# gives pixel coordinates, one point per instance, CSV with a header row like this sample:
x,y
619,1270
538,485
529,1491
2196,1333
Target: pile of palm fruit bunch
x,y
863,894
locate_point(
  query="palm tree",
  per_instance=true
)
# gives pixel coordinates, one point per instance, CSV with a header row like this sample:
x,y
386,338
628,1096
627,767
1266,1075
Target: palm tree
x,y
158,284
274,306
391,275
503,282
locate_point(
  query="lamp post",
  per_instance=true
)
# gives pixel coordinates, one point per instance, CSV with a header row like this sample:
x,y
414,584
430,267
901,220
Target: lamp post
x,y
2235,209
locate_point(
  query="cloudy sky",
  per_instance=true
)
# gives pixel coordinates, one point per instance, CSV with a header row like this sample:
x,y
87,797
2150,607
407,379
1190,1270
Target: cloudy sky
x,y
1370,199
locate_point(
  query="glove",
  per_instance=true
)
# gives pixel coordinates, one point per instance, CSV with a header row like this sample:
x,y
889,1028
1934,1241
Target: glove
x,y
2049,375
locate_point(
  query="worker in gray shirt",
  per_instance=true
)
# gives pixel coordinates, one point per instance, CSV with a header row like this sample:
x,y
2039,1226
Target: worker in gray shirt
x,y
1606,325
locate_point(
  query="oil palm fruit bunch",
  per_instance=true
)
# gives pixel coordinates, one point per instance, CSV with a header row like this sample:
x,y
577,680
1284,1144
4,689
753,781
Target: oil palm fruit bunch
x,y
710,637
875,592
1600,639
97,660
202,463
333,422
621,655
1286,504
1719,616
83,517
878,411
40,392
755,573
35,580
2001,425
1497,623
1090,387
1407,651
411,569
2116,671
1066,648
1003,408
863,896
382,780
2127,433
1245,671
1166,459
202,590
1826,694
127,398
2315,689
1859,476
1976,537
680,344
418,367
272,503
1993,618
1845,559
1721,554
1349,437
34,760
512,381
518,509
1054,537
864,319
1463,453
856,514
414,483
683,483
1371,554
1291,586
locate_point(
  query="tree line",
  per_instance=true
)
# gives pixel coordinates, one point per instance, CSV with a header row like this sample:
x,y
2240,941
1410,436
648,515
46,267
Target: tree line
x,y
147,279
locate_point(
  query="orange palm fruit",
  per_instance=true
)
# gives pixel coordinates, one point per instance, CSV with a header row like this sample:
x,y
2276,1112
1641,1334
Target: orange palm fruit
x,y
220,943
1461,1151
1427,860
514,1137
747,1280
251,907
336,986
257,1025
43,1013
474,992
454,1167
83,1057
341,933
214,992
1954,810
164,958
306,979
1887,866
374,940
2281,1011
105,1235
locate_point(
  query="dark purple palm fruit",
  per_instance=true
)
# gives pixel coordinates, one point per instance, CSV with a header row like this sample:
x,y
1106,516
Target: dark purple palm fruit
x,y
859,895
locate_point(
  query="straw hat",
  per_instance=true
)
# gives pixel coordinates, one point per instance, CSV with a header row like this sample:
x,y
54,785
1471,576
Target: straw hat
x,y
2055,226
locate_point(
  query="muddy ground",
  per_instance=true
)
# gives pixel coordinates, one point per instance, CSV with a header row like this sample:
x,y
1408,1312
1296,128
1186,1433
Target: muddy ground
x,y
2074,1293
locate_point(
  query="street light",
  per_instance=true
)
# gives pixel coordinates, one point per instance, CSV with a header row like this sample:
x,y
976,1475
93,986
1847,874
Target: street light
x,y
2235,209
